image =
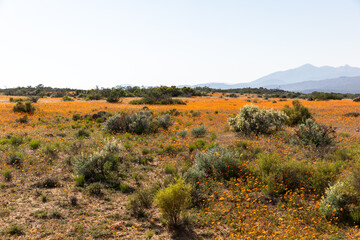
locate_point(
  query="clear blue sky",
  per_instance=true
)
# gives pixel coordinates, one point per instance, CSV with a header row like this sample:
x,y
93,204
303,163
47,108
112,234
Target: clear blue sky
x,y
84,43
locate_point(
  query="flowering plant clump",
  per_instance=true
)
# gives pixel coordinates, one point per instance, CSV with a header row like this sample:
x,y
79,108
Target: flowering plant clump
x,y
253,120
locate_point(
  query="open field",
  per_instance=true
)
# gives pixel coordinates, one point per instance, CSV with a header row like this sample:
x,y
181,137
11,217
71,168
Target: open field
x,y
234,208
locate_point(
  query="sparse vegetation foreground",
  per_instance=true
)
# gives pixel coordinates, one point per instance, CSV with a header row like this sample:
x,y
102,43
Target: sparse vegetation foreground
x,y
176,164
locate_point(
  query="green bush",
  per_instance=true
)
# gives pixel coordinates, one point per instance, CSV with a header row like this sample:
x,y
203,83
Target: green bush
x,y
21,107
16,140
23,119
316,135
113,97
7,174
141,200
93,95
82,133
66,98
79,180
170,169
50,151
296,114
76,117
33,99
16,100
95,189
173,201
34,144
15,159
322,174
280,175
15,230
253,120
198,131
49,182
153,101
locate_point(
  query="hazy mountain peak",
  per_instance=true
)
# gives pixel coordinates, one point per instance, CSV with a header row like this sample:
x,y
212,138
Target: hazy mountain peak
x,y
307,65
306,72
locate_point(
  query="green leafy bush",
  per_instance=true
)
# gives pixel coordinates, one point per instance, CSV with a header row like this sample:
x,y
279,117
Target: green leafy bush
x,y
280,175
23,119
33,99
82,133
34,144
173,201
296,114
95,189
15,159
7,174
49,182
76,117
253,120
113,97
15,230
313,134
21,107
141,200
16,140
66,98
16,100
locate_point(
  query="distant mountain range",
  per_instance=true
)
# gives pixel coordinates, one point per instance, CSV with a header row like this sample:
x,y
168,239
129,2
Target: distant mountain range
x,y
306,78
338,85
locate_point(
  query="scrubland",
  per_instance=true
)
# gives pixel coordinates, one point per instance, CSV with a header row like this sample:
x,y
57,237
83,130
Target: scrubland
x,y
184,176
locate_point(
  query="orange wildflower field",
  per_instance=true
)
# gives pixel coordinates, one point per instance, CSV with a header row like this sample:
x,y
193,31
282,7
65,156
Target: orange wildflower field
x,y
42,197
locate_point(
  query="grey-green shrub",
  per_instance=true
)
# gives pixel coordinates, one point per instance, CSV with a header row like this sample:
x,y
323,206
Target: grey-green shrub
x,y
142,122
314,134
253,120
117,123
138,123
100,166
182,133
333,204
218,163
165,121
198,131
